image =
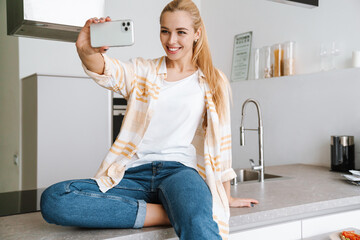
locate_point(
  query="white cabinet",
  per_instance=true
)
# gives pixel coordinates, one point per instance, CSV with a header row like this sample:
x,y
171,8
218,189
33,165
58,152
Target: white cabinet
x,y
284,231
330,223
305,228
66,129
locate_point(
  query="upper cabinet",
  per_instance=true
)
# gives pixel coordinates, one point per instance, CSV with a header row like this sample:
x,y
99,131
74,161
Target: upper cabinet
x,y
56,19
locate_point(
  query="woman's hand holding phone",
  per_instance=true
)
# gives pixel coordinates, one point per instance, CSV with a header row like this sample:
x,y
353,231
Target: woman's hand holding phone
x,y
89,55
83,42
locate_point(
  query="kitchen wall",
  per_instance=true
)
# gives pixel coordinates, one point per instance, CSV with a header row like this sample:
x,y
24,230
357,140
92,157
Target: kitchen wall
x,y
301,112
273,22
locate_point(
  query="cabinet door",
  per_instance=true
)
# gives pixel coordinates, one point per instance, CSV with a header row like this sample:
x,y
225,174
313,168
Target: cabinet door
x,y
330,223
73,128
284,231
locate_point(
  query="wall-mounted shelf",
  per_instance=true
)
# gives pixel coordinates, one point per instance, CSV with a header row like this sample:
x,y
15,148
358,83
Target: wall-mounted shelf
x,y
301,76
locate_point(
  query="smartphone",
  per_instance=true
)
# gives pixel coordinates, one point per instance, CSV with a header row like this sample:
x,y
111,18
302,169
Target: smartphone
x,y
117,33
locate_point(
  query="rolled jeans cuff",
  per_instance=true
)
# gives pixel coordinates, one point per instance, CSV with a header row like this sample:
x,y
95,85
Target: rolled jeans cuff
x,y
140,217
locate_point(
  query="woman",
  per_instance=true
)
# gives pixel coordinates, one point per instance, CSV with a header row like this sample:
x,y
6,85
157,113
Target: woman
x,y
171,162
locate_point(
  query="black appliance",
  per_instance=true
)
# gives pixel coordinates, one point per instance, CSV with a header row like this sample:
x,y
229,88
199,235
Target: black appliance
x,y
342,153
119,109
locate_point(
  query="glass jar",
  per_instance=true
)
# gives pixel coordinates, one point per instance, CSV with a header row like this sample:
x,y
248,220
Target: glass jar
x,y
289,58
266,62
255,66
277,60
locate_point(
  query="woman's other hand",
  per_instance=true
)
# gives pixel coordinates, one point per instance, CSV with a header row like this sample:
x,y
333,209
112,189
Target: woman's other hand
x,y
242,202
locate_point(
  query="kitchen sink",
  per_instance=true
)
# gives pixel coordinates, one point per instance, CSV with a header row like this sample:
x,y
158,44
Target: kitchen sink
x,y
247,175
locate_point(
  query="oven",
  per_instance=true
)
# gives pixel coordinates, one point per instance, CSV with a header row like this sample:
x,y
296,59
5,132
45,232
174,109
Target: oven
x,y
118,113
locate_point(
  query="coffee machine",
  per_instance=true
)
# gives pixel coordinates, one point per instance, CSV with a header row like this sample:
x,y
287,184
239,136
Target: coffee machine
x,y
342,153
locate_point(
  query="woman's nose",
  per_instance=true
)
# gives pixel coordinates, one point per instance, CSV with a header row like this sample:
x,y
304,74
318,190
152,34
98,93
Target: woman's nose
x,y
172,38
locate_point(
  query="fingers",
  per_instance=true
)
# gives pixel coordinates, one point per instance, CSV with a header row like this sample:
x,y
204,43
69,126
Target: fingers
x,y
252,202
106,19
97,20
101,20
88,22
243,202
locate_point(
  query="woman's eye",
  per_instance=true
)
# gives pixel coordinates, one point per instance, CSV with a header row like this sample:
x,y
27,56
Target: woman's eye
x,y
164,31
182,32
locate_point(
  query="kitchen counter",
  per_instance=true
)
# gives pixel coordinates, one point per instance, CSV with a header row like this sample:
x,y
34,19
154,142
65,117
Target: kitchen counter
x,y
303,191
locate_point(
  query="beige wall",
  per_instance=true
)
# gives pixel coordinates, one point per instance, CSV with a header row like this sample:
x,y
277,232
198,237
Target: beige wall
x,y
9,106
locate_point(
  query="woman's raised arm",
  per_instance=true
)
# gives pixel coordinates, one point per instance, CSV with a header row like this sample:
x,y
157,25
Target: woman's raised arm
x,y
91,57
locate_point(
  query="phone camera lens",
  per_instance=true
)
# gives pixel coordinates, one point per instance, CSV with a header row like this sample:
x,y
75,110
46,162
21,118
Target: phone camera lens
x,y
126,28
128,23
123,24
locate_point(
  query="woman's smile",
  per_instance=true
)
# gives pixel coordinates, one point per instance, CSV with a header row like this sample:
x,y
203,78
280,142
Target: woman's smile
x,y
173,50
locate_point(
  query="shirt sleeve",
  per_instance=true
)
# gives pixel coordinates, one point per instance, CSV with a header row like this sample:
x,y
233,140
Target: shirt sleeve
x,y
227,172
118,76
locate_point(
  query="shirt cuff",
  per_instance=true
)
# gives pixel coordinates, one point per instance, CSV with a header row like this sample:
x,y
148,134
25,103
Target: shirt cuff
x,y
107,72
228,174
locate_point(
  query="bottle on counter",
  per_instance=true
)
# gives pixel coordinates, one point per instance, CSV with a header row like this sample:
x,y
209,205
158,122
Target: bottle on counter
x,y
289,58
277,60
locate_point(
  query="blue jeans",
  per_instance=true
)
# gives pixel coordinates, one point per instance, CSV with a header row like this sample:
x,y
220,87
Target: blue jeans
x,y
180,189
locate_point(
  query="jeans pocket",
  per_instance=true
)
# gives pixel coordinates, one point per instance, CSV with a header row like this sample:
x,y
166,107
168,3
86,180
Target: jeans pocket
x,y
80,185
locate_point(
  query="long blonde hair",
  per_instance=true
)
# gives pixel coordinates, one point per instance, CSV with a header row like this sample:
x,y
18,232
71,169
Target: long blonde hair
x,y
201,58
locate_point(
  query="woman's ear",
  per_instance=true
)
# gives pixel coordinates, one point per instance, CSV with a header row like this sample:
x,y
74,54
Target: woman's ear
x,y
197,34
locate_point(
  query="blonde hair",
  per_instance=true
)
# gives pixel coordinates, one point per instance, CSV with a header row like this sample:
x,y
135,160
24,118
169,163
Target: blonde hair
x,y
201,58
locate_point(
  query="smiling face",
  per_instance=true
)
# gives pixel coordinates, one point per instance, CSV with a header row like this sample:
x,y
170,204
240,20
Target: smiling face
x,y
177,35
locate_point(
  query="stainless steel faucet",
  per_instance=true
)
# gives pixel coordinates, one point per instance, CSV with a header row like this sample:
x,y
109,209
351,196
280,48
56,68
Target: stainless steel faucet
x,y
259,167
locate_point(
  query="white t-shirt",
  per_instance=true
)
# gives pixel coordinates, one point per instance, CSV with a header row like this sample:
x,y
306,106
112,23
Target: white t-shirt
x,y
177,114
